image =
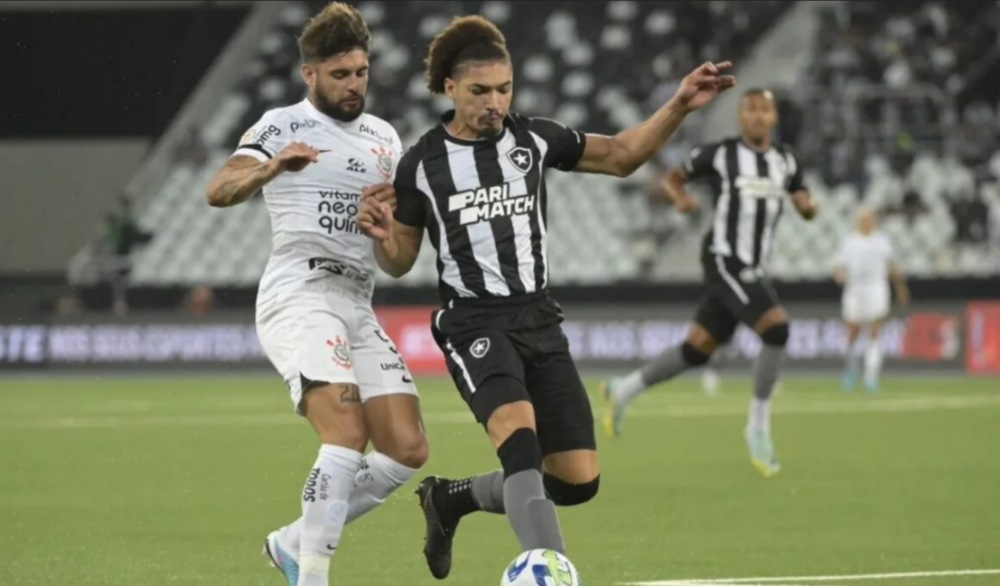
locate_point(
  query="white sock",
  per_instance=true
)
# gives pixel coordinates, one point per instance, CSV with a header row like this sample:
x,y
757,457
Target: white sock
x,y
873,361
377,478
324,511
760,415
629,387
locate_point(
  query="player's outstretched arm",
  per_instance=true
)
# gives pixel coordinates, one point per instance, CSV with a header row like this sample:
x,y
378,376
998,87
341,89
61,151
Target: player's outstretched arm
x,y
396,245
622,154
805,204
242,176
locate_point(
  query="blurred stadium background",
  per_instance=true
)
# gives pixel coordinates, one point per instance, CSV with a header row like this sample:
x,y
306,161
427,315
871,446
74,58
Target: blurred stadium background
x,y
115,276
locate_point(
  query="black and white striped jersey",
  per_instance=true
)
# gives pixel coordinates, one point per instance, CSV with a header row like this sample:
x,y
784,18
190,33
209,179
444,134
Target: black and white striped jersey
x,y
483,203
749,188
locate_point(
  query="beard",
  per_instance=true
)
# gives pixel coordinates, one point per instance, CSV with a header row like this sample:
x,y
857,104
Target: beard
x,y
485,130
336,111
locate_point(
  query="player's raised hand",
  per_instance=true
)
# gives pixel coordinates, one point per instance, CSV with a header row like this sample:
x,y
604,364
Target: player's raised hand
x,y
382,192
296,157
703,84
375,219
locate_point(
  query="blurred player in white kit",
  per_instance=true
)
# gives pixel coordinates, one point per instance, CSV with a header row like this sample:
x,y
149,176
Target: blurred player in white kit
x,y
315,161
863,266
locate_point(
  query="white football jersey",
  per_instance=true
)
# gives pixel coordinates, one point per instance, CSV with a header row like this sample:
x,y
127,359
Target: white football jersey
x,y
865,260
314,211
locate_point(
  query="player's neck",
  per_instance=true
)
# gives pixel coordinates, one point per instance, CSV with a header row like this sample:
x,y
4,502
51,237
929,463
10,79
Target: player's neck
x,y
758,145
460,131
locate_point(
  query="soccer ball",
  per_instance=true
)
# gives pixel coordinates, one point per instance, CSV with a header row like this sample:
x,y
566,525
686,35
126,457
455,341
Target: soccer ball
x,y
540,567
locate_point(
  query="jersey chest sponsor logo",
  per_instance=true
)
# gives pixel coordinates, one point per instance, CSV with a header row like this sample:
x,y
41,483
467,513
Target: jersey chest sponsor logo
x,y
365,129
338,211
486,203
759,187
306,124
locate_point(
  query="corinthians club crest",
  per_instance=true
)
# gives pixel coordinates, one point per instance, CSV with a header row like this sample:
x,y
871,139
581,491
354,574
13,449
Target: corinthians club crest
x,y
384,163
341,354
521,158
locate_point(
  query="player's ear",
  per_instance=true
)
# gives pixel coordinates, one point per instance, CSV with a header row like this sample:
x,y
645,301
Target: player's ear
x,y
308,74
449,87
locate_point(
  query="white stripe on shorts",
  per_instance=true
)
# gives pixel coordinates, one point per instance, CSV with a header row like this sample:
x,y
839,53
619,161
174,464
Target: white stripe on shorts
x,y
733,283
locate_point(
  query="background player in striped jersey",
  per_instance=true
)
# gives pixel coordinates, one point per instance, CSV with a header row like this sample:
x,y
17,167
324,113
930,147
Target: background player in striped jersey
x,y
476,183
750,177
864,266
314,315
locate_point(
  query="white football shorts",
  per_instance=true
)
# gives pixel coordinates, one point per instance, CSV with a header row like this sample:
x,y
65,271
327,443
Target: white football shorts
x,y
865,304
330,337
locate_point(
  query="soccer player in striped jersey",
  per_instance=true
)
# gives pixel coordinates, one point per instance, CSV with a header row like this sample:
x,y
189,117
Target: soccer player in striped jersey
x,y
476,184
750,176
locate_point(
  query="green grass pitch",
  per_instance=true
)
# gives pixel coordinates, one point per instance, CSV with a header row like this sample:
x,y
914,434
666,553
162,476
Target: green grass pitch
x,y
175,480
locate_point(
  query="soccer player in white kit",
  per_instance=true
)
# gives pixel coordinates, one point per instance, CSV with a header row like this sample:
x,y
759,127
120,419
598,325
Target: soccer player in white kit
x,y
864,266
315,161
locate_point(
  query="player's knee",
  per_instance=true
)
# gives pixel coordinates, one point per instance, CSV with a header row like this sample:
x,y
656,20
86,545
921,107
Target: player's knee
x,y
776,335
520,452
565,494
411,452
693,356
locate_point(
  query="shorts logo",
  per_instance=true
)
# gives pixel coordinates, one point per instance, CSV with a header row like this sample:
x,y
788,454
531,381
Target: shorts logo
x,y
521,158
341,354
480,347
384,162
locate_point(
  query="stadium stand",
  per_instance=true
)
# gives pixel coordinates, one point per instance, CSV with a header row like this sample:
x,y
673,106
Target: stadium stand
x,y
890,150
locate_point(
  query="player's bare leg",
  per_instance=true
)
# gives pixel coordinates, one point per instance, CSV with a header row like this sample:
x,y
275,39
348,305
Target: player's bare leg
x,y
873,356
773,330
396,431
334,411
618,393
518,490
850,376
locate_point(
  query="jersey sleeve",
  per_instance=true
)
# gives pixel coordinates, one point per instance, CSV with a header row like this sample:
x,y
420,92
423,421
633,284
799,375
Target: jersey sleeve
x,y
563,146
699,163
795,179
411,203
266,138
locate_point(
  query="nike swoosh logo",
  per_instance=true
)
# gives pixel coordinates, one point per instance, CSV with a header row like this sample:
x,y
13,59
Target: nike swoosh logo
x,y
331,548
407,379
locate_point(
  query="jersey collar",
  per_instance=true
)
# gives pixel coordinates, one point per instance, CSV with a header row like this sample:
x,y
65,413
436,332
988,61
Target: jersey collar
x,y
744,142
450,115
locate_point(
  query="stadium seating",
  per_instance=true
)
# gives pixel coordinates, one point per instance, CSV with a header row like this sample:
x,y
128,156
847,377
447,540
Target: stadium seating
x,y
580,65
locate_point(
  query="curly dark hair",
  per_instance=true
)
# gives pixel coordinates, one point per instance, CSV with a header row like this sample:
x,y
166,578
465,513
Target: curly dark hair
x,y
337,29
467,38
